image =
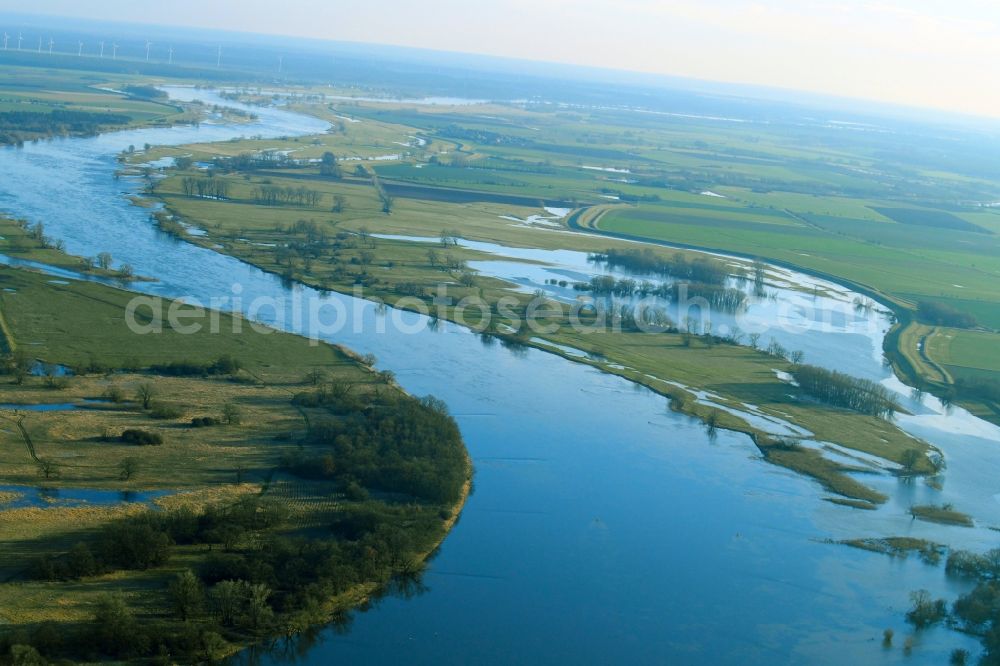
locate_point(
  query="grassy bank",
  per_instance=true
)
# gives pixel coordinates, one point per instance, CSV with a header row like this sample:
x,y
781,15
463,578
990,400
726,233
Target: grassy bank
x,y
235,422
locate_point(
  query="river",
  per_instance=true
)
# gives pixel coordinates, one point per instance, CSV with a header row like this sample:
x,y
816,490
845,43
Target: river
x,y
602,527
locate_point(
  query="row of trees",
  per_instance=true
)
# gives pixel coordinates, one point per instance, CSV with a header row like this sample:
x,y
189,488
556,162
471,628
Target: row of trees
x,y
719,297
705,270
841,390
384,197
942,314
209,187
223,365
276,195
250,162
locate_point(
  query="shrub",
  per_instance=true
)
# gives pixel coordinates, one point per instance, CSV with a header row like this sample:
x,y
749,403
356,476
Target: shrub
x,y
224,365
355,492
164,411
204,422
231,414
114,394
925,611
142,437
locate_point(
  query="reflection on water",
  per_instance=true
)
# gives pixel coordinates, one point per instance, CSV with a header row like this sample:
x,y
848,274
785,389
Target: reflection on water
x,y
42,497
603,526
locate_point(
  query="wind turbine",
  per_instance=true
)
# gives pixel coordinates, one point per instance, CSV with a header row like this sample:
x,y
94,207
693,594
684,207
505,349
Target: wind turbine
x,y
5,38
280,63
51,44
218,61
148,44
80,50
170,55
102,49
19,38
39,44
114,51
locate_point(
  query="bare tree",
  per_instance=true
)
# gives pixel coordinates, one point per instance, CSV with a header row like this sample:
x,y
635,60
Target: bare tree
x,y
145,394
48,469
127,468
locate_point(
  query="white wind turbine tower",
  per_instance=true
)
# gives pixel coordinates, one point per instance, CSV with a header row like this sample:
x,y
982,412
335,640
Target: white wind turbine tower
x,y
80,50
218,61
114,51
170,55
281,62
19,38
5,38
51,44
102,50
39,44
148,44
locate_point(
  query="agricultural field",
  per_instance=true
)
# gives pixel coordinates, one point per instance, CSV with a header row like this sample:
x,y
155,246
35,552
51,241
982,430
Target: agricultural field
x,y
847,208
965,353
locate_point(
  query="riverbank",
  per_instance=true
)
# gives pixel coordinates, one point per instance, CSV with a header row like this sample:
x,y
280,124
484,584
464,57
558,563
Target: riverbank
x,y
28,244
902,345
38,104
672,363
585,483
226,418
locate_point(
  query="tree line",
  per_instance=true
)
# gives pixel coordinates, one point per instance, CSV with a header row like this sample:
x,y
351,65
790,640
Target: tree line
x,y
209,187
145,92
276,195
700,269
841,390
942,314
16,127
249,162
384,197
720,297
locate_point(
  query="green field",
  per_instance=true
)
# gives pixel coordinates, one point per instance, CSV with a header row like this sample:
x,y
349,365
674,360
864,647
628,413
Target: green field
x,y
966,351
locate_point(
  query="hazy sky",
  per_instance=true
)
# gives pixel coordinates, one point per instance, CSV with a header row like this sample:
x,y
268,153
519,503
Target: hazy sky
x,y
932,53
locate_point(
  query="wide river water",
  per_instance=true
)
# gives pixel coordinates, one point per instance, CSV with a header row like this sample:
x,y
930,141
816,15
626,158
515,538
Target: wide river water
x,y
602,527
